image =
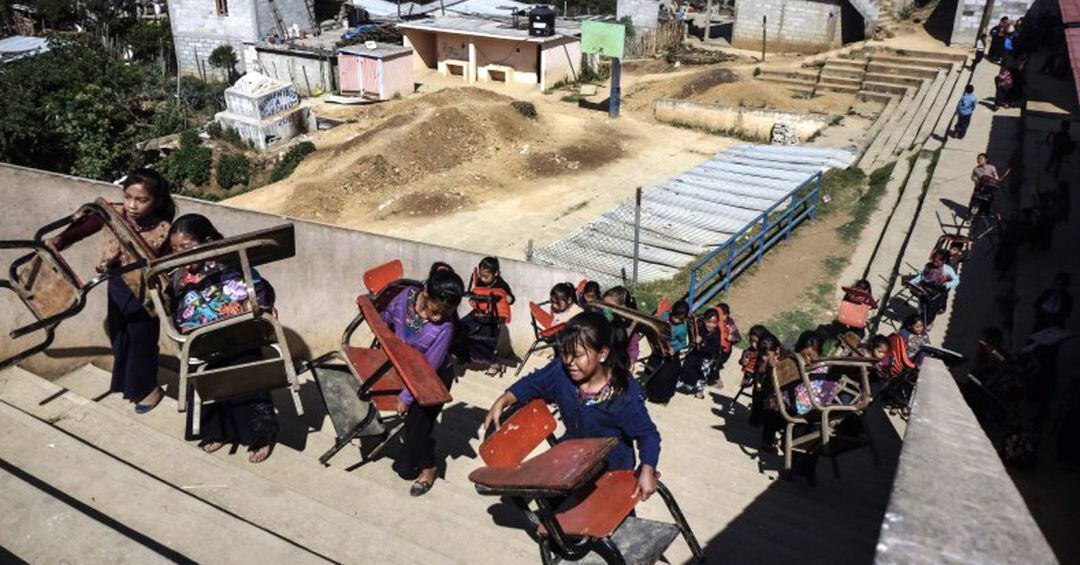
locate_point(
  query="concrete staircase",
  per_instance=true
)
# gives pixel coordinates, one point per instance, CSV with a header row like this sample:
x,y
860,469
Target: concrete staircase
x,y
94,471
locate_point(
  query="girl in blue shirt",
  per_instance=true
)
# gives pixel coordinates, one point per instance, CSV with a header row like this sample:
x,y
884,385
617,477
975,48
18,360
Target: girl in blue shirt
x,y
590,382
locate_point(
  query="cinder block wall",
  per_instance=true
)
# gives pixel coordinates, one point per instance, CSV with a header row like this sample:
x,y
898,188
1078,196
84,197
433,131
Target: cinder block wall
x,y
969,15
198,29
805,26
301,71
316,289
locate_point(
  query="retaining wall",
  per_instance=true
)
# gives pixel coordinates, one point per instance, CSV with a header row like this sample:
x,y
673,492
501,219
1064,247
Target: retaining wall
x,y
316,289
953,501
748,121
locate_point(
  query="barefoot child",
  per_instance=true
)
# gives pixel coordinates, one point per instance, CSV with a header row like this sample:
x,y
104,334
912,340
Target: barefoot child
x,y
423,317
596,395
204,293
133,332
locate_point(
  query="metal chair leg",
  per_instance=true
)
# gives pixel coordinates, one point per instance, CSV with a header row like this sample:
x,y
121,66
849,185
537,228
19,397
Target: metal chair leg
x,y
609,551
532,349
680,521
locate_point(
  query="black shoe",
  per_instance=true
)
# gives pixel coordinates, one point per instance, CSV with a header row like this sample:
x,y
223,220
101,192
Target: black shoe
x,y
420,488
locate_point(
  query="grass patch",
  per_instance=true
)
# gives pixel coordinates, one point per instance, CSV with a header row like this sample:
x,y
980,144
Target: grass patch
x,y
724,132
866,204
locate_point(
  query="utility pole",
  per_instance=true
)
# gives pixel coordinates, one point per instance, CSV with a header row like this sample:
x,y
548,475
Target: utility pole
x,y
708,20
764,23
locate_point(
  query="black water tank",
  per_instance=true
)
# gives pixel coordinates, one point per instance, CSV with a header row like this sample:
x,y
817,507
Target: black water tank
x,y
541,22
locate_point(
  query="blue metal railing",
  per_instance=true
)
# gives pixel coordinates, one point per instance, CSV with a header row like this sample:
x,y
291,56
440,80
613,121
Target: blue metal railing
x,y
746,248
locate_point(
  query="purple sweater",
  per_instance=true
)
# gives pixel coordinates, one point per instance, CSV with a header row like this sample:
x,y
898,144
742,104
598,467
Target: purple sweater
x,y
433,340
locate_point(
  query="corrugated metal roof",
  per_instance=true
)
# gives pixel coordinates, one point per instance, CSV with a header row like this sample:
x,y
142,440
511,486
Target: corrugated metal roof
x,y
687,215
1072,38
19,46
1070,11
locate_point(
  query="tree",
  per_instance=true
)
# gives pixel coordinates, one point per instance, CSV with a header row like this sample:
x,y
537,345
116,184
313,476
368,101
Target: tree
x,y
223,57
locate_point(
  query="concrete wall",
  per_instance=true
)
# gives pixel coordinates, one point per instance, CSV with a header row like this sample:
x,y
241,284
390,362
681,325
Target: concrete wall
x,y
561,60
425,49
316,289
969,14
198,29
291,67
805,26
953,501
643,13
397,76
270,132
758,123
518,55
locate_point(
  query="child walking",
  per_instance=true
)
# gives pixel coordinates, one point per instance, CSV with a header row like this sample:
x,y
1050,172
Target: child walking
x,y
729,336
700,364
148,210
597,397
423,317
204,293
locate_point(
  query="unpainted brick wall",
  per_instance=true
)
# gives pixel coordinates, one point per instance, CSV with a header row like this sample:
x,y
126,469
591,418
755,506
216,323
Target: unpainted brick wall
x,y
792,25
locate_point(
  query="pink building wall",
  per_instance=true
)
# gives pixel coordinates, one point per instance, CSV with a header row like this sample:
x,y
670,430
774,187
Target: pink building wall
x,y
560,60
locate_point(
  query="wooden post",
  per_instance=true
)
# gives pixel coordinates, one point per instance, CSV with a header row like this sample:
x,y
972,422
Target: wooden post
x,y
637,232
708,19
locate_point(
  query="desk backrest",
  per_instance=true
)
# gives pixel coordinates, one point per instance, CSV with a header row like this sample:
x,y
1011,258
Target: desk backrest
x,y
519,435
543,318
482,302
378,278
411,365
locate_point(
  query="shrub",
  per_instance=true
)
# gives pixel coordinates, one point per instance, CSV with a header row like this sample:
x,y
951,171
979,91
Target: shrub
x,y
233,169
190,162
292,158
213,129
223,57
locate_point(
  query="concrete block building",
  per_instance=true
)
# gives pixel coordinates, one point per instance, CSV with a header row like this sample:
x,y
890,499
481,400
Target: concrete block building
x,y
643,13
970,13
803,26
200,26
483,50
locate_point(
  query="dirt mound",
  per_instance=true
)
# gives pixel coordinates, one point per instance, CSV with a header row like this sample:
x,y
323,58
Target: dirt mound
x,y
429,155
702,82
579,156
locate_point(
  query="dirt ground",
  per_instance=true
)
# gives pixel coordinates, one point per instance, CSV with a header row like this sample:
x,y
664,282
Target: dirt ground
x,y
430,166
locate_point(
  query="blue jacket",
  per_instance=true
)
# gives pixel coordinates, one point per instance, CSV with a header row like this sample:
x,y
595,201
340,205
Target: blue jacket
x,y
623,417
967,104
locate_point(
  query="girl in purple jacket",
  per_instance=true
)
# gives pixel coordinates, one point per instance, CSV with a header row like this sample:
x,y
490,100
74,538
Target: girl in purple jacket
x,y
423,317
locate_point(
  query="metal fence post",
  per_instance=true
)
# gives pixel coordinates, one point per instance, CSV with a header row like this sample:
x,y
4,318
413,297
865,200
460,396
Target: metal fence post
x,y
817,196
693,289
761,237
529,251
637,232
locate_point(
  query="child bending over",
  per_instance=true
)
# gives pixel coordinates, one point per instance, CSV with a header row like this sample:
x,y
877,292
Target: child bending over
x,y
591,384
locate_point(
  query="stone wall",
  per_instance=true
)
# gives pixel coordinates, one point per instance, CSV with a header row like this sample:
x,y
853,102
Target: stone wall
x,y
301,69
805,26
953,501
316,289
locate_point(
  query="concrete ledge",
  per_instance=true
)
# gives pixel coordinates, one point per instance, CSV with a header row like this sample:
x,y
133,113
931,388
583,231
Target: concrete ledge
x,y
749,121
953,501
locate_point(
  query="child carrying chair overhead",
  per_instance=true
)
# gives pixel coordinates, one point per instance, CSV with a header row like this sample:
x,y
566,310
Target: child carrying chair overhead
x,y
148,210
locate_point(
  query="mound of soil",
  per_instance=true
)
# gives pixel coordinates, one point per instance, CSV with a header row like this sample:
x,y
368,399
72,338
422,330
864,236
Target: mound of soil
x,y
398,157
705,81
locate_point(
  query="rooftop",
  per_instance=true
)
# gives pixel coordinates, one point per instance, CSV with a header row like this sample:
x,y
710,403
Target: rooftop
x,y
379,51
387,9
18,46
490,28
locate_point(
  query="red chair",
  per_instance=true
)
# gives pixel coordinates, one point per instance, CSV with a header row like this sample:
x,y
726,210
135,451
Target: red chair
x,y
490,307
375,280
360,385
855,313
664,307
545,330
594,514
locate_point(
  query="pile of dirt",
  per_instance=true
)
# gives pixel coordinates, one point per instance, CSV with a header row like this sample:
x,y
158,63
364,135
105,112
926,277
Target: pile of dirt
x,y
703,82
427,155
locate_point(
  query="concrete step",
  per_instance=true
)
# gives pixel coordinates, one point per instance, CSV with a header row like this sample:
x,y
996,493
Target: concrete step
x,y
842,88
373,493
842,72
925,105
898,61
180,525
895,69
871,96
951,57
34,515
879,122
893,141
840,81
869,160
810,76
798,87
886,87
838,62
894,79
